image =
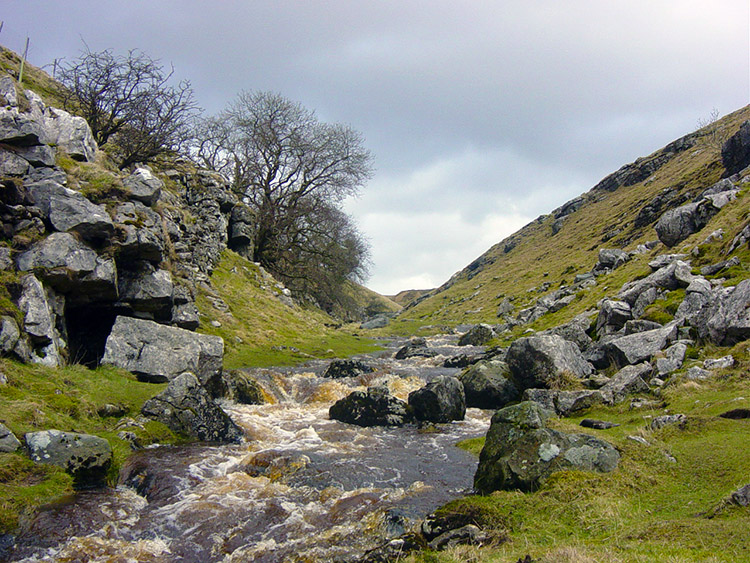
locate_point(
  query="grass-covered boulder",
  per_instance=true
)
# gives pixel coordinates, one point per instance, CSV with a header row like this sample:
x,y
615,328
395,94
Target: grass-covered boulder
x,y
521,453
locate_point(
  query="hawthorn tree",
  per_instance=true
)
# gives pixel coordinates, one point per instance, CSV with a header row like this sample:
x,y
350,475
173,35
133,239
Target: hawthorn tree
x,y
294,171
128,101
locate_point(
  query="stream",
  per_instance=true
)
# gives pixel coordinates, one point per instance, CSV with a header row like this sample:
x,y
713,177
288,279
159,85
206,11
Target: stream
x,y
301,488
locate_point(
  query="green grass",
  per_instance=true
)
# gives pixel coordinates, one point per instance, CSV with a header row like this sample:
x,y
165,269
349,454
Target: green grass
x,y
99,181
34,79
40,398
260,330
650,508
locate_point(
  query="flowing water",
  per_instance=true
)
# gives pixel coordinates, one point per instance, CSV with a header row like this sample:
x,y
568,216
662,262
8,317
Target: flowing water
x,y
301,488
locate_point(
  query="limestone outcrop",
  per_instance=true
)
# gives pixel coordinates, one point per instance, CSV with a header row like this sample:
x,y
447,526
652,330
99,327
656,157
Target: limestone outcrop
x,y
85,253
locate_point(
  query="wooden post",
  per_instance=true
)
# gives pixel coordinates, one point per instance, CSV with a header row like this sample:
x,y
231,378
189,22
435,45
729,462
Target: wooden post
x,y
23,60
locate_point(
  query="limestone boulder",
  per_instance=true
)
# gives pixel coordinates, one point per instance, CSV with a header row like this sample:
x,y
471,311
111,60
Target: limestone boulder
x,y
87,458
735,152
627,381
668,420
140,233
674,356
9,335
675,275
242,229
11,164
639,325
374,407
8,440
564,403
729,322
69,132
18,128
544,361
713,269
506,307
612,317
143,186
347,368
677,224
698,304
441,400
39,322
416,348
243,389
69,265
8,94
521,453
477,335
641,346
571,402
146,289
185,315
487,385
719,363
645,299
37,155
576,331
140,244
186,407
610,258
67,210
158,353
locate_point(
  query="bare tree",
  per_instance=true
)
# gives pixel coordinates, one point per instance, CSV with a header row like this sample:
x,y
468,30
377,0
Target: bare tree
x,y
294,171
128,100
712,130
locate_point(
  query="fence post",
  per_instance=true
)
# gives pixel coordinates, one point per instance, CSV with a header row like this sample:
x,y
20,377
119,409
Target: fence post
x,y
23,60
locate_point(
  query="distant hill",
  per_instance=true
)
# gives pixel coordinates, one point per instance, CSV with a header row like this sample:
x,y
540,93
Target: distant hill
x,y
407,296
368,303
619,213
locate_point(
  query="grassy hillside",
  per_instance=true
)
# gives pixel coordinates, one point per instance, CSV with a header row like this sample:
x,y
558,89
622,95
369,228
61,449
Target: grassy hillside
x,y
244,306
369,303
34,79
518,266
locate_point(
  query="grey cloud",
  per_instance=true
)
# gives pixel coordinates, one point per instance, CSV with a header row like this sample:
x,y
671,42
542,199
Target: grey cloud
x,y
495,104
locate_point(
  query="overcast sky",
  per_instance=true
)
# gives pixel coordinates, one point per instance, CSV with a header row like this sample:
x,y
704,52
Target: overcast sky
x,y
480,115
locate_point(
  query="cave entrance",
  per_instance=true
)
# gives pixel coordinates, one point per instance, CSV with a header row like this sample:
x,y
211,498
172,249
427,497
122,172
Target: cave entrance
x,y
88,328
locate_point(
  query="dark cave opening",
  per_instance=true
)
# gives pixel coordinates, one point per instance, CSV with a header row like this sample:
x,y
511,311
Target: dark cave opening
x,y
88,328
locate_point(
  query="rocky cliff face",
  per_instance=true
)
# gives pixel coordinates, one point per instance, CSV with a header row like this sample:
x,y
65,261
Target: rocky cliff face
x,y
82,244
